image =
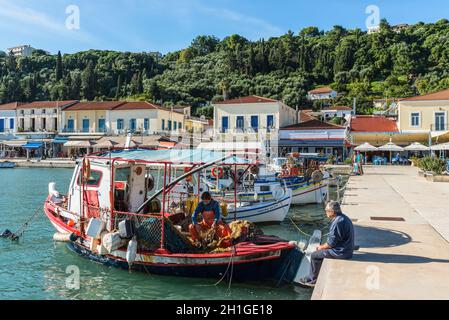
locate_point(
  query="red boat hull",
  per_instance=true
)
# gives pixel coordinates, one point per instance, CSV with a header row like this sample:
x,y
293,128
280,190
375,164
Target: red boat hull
x,y
249,261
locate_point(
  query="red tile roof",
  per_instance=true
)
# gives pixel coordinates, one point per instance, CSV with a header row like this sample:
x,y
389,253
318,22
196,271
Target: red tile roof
x,y
437,96
139,105
373,124
321,90
249,99
47,104
312,125
10,106
100,105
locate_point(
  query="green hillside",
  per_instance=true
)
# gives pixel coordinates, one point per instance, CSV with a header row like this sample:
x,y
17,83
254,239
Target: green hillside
x,y
388,64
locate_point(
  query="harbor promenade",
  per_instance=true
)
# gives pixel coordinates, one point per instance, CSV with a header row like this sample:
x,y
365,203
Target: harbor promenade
x,y
48,163
402,227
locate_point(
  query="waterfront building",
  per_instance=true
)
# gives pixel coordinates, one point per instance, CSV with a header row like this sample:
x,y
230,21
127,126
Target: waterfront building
x,y
314,136
145,118
120,118
322,94
375,130
252,119
40,117
251,115
425,117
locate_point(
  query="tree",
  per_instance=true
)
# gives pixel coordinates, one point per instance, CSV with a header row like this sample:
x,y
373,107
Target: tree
x,y
118,91
59,67
88,82
203,45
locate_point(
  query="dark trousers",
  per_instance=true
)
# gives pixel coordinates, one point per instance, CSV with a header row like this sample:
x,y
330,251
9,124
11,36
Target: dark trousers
x,y
317,260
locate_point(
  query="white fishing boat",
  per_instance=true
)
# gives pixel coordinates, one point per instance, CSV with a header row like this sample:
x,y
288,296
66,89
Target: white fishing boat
x,y
266,203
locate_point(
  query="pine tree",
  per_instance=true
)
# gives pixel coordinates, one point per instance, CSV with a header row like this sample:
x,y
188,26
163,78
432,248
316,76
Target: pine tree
x,y
118,91
75,90
88,82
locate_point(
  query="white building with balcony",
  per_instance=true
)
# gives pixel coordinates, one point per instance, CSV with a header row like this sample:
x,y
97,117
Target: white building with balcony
x,y
21,51
252,119
251,115
41,117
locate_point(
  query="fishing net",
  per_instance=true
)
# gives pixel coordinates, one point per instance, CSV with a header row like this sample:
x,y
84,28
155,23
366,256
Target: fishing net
x,y
149,230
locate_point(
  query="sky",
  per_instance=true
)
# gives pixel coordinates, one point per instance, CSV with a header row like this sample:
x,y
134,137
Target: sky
x,y
169,25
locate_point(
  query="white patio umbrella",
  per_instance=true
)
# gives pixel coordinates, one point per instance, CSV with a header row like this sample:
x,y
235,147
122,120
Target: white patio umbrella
x,y
441,147
417,147
106,144
366,147
391,147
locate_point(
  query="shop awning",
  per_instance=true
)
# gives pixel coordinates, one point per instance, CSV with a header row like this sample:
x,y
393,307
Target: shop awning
x,y
312,143
33,145
14,143
78,144
175,156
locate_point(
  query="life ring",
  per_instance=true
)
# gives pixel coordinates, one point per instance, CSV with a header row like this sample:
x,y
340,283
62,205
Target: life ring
x,y
86,169
219,174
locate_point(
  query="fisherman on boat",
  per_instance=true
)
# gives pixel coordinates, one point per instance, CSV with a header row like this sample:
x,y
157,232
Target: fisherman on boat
x,y
211,213
340,243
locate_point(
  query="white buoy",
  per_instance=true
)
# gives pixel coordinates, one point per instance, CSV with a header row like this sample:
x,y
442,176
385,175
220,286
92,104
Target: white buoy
x,y
61,237
306,262
52,190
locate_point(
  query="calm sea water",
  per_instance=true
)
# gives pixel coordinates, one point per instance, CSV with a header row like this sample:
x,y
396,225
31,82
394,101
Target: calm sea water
x,y
37,268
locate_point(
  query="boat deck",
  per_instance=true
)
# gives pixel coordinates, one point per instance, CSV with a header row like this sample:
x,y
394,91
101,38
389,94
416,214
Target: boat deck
x,y
402,227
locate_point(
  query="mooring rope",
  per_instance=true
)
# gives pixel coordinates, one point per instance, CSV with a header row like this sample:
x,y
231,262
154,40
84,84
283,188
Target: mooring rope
x,y
230,265
304,233
19,233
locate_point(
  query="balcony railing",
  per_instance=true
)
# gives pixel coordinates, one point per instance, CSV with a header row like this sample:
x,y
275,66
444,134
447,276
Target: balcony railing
x,y
247,130
86,131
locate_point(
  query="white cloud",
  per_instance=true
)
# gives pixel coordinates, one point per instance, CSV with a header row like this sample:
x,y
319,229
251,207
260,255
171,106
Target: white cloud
x,y
39,21
260,26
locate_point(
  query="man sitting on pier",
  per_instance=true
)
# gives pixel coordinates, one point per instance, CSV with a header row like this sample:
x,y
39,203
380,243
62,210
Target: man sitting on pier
x,y
340,243
211,213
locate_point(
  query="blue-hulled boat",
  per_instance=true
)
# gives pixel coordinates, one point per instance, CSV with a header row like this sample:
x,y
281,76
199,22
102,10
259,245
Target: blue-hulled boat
x,y
7,165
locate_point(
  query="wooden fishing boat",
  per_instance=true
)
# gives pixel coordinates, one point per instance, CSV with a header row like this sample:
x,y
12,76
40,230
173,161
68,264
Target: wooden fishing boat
x,y
112,216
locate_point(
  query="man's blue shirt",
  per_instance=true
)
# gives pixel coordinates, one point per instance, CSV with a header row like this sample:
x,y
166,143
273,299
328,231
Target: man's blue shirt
x,y
212,206
341,237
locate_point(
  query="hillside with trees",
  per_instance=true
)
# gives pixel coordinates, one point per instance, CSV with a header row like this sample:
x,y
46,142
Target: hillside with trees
x,y
387,64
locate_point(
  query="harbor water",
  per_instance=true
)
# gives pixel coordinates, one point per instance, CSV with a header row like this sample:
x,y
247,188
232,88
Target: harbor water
x,y
38,268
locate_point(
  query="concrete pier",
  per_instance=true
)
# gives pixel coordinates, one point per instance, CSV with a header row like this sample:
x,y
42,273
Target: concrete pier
x,y
402,227
49,163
